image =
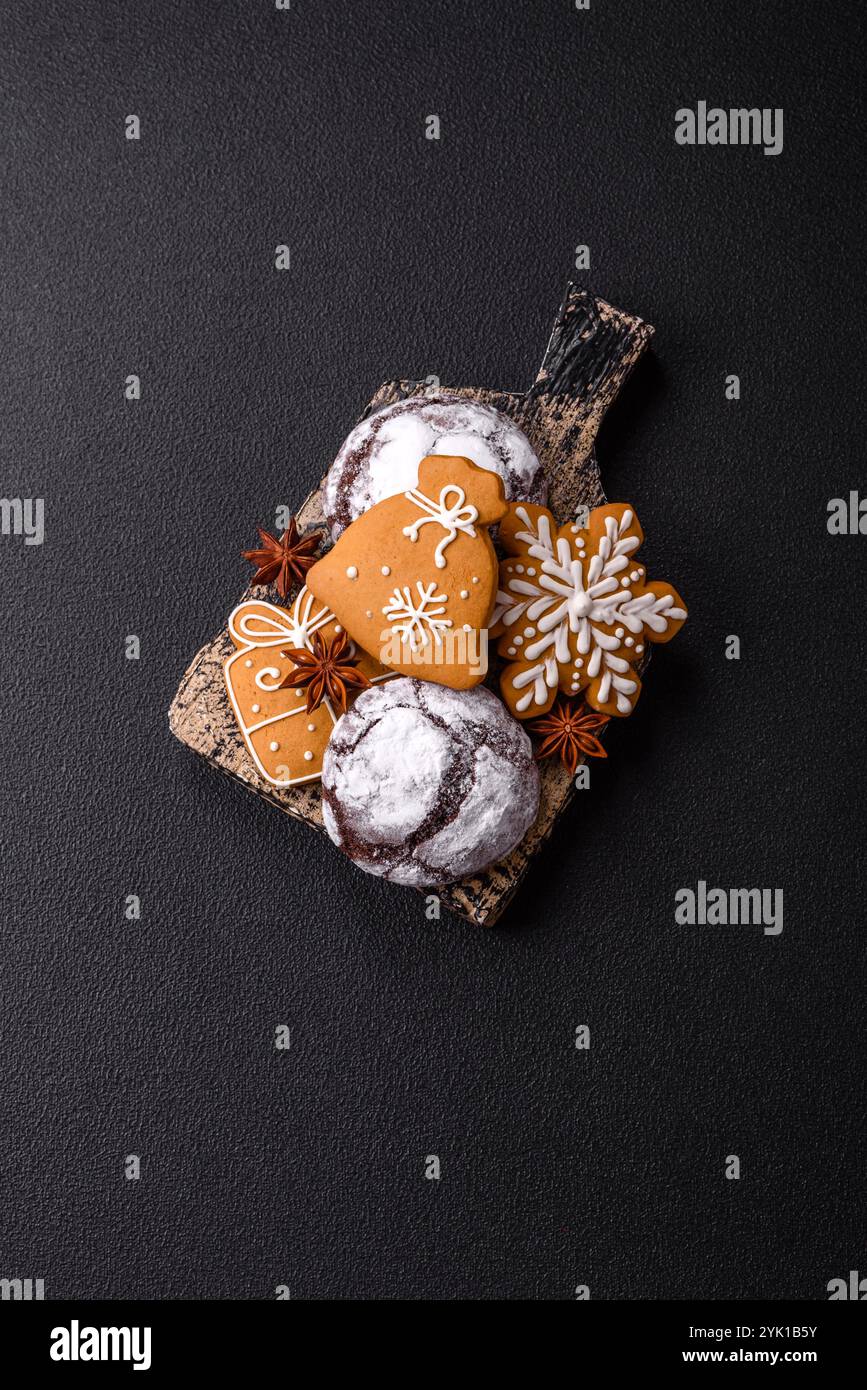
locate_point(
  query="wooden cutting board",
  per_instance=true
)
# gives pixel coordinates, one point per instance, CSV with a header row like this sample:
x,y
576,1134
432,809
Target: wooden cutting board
x,y
592,349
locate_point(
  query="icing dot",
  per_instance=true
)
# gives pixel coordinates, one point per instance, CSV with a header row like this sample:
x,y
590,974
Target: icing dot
x,y
368,614
308,756
510,651
618,632
531,571
352,572
636,574
639,649
299,693
475,579
467,627
311,728
519,641
529,632
630,642
575,529
519,569
625,582
465,593
255,708
386,569
337,627
248,663
274,747
579,661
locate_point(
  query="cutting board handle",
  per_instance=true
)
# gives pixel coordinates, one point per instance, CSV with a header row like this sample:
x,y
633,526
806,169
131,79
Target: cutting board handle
x,y
592,349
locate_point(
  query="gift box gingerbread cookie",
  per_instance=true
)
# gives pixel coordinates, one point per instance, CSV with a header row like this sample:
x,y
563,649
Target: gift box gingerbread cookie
x,y
289,681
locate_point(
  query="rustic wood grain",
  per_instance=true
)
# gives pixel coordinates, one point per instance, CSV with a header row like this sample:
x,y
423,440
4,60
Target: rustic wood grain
x,y
592,349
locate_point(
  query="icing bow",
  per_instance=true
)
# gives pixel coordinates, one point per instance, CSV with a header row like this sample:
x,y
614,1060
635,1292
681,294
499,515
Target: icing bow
x,y
459,516
263,625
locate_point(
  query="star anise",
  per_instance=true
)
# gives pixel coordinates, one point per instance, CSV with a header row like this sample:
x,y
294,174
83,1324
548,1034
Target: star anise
x,y
328,672
568,730
284,558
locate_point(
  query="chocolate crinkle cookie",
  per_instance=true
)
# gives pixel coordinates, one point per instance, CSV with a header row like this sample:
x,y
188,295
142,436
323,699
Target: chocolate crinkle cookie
x,y
381,456
424,785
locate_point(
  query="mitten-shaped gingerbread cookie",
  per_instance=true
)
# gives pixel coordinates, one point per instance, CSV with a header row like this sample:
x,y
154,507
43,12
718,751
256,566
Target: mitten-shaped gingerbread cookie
x,y
574,610
286,731
413,579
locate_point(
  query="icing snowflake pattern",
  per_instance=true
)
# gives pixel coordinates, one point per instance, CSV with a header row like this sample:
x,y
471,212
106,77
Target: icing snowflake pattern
x,y
574,610
456,516
417,620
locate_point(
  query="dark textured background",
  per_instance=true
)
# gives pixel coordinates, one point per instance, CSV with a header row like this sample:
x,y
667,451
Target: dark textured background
x,y
412,1037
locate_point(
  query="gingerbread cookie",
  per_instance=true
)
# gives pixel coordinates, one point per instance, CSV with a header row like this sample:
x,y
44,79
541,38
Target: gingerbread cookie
x,y
285,741
380,457
574,610
413,580
424,785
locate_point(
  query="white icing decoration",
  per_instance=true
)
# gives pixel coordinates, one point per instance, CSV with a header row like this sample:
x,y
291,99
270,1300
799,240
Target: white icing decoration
x,y
248,663
465,593
264,625
308,756
386,569
459,516
273,672
352,572
275,747
417,620
571,599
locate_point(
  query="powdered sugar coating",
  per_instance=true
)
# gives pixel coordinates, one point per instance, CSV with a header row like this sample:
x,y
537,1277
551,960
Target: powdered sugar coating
x,y
424,785
381,455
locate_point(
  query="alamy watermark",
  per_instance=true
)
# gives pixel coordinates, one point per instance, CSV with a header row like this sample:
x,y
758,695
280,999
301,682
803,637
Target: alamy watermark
x,y
736,126
730,907
23,516
77,1343
853,1288
410,645
847,516
22,1290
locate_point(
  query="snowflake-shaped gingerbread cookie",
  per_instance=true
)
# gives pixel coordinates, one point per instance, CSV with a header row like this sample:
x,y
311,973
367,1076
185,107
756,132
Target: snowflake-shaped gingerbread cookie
x,y
574,610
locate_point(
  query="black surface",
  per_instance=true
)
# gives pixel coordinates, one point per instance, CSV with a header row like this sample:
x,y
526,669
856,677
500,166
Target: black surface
x,y
412,1037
